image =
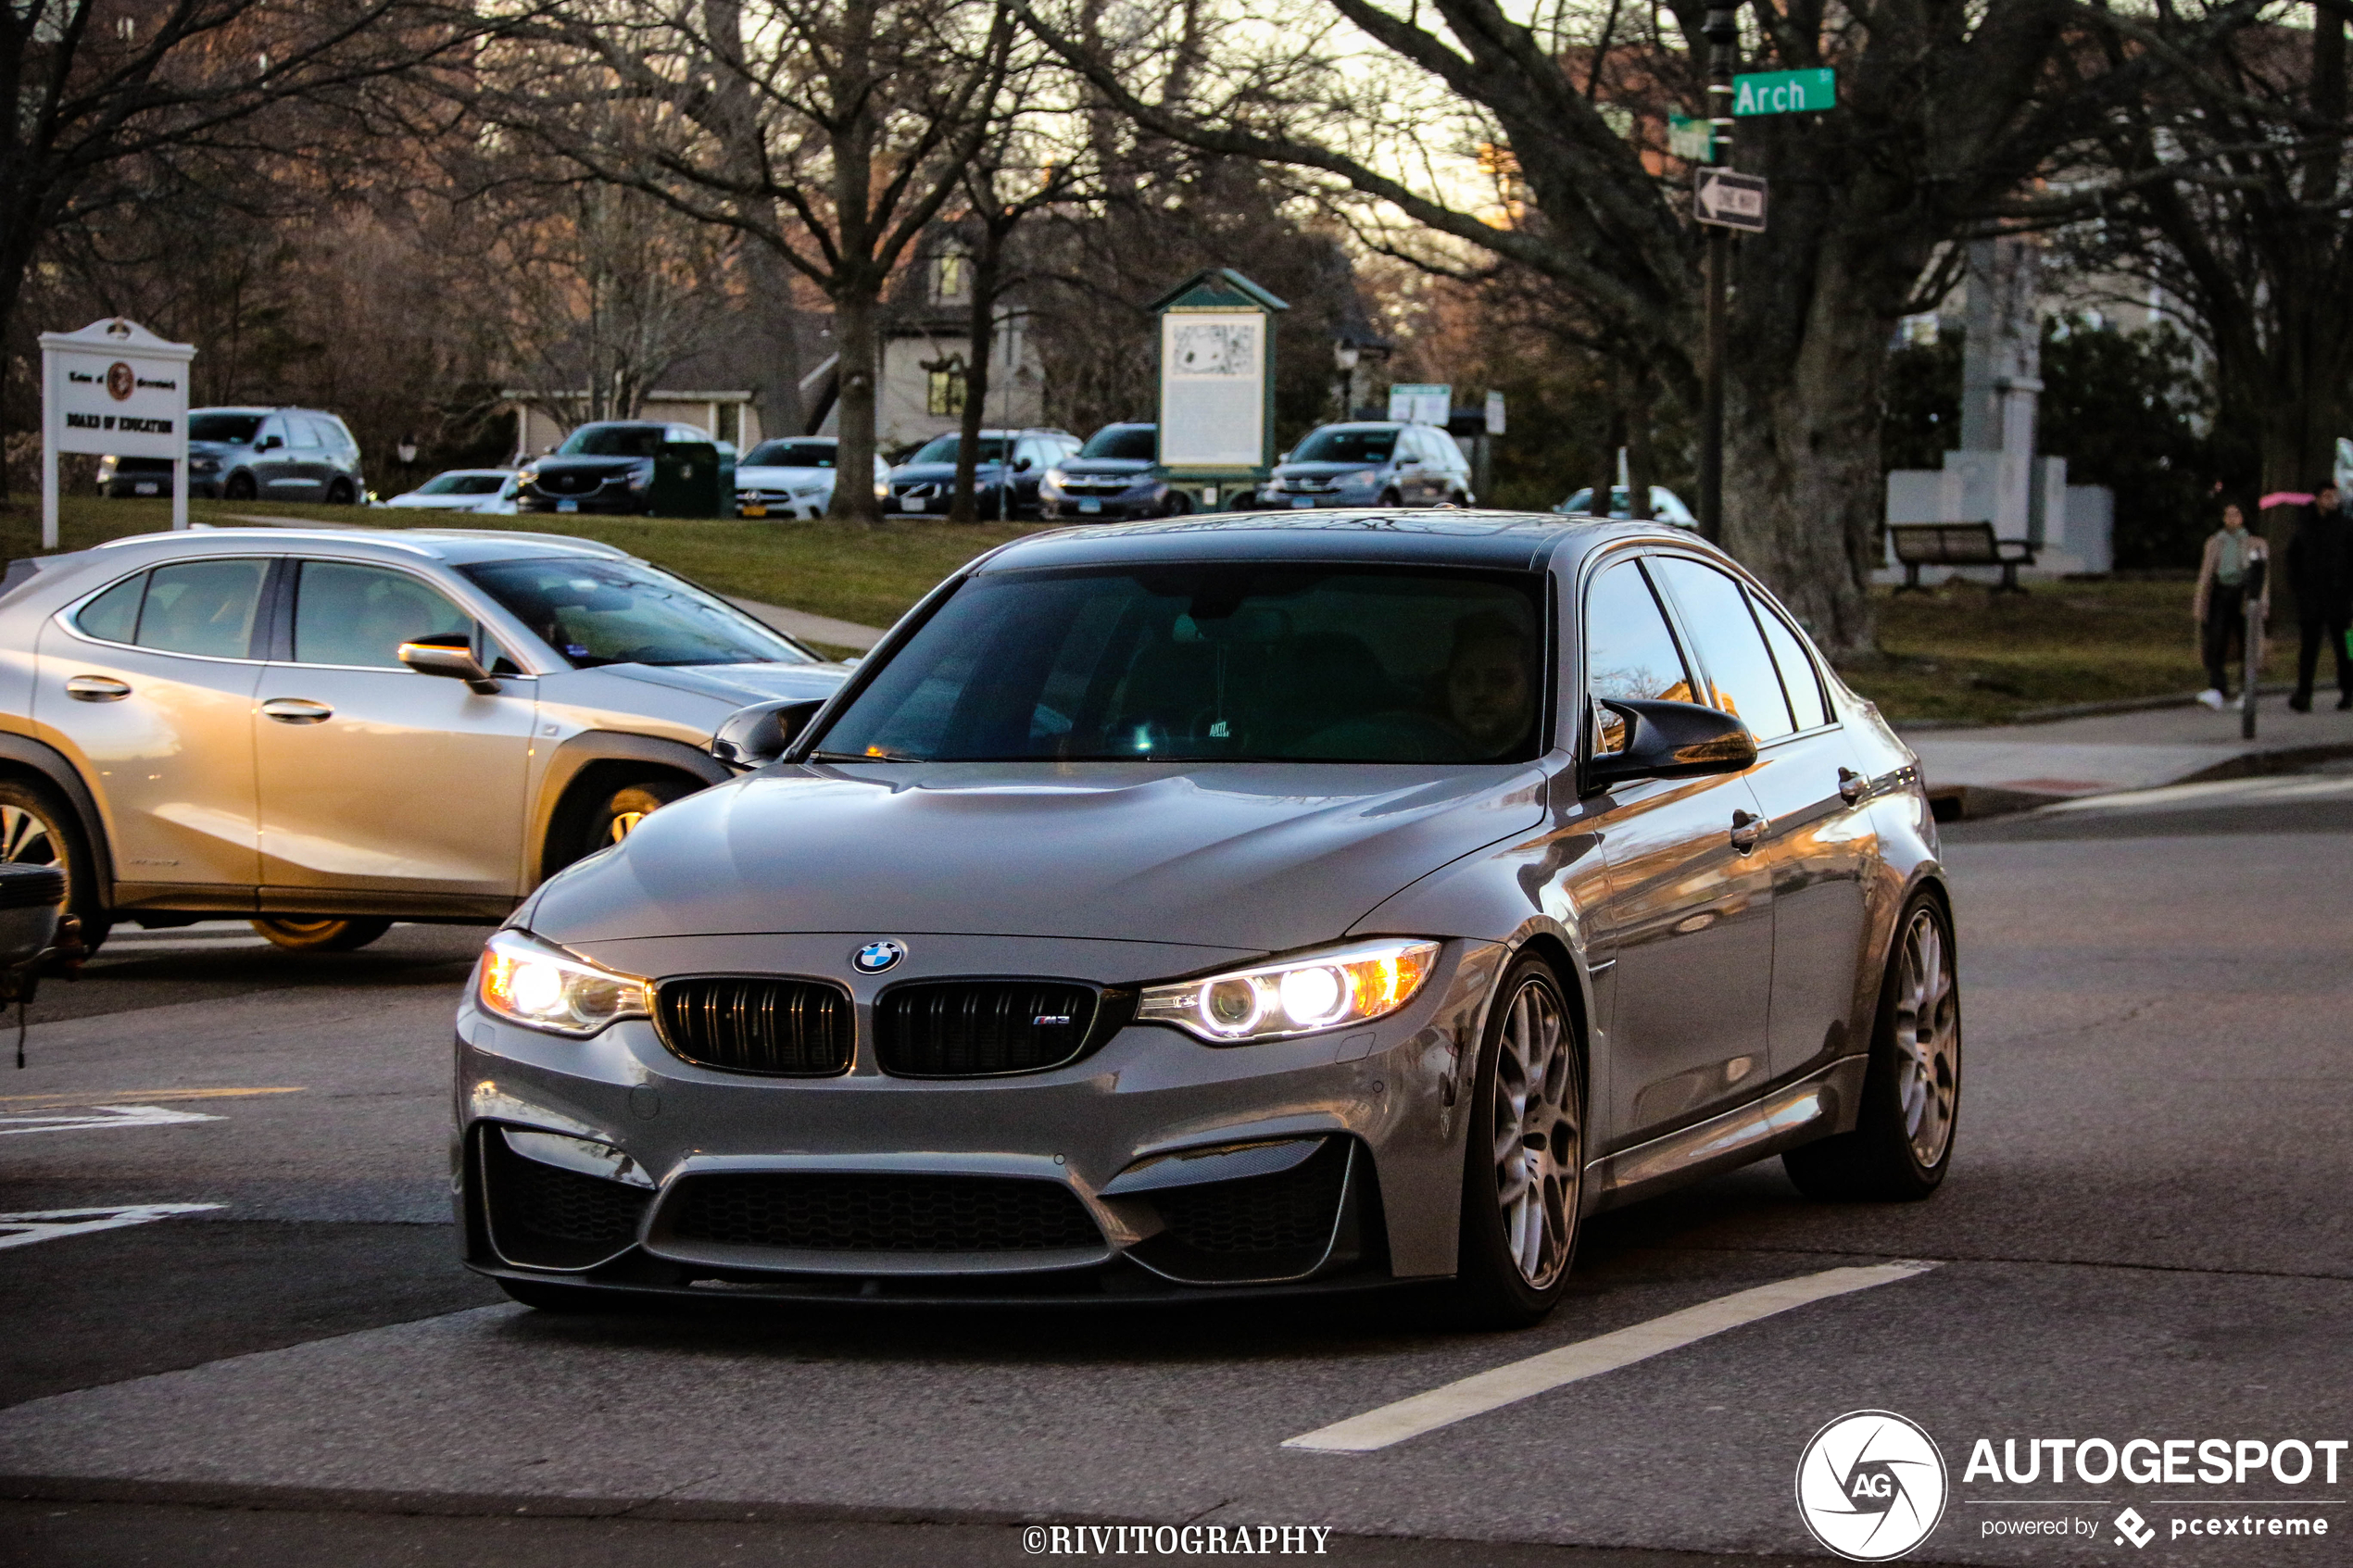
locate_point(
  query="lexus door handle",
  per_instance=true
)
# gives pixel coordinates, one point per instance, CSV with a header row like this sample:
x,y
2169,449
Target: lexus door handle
x,y
296,710
1747,828
96,688
1851,785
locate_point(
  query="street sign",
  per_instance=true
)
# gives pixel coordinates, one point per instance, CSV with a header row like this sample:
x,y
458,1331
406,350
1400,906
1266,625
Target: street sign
x,y
1430,403
1694,141
113,387
1735,201
1216,378
1785,92
1495,413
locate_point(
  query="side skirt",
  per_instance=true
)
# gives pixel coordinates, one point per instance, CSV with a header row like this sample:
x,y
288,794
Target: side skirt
x,y
1814,1107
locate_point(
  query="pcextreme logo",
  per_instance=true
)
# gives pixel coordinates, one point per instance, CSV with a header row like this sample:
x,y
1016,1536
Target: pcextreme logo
x,y
1870,1486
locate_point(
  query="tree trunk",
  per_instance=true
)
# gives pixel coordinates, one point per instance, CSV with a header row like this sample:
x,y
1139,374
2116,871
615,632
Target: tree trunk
x,y
1803,490
1642,466
980,338
855,310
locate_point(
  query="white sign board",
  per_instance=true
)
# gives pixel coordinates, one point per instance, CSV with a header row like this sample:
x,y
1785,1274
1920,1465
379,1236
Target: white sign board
x,y
1427,403
1733,201
1212,389
1495,413
113,387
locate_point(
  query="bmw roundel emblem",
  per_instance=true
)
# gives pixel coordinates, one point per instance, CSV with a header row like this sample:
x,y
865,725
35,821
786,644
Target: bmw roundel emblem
x,y
876,957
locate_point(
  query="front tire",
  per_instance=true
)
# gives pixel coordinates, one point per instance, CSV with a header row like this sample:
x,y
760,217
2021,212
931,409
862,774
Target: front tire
x,y
1391,499
1902,1143
616,816
239,487
321,935
38,829
1523,1176
340,494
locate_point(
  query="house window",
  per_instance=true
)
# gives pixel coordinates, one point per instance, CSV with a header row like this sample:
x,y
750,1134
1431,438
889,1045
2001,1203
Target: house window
x,y
946,387
728,422
950,281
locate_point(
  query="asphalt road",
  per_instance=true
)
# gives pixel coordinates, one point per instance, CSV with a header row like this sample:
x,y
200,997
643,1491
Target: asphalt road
x,y
2145,1236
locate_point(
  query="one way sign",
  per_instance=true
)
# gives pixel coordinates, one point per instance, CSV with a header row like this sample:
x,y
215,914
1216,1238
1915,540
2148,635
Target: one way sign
x,y
1735,201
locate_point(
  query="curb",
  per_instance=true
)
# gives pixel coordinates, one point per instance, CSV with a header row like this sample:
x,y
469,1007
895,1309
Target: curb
x,y
1973,803
2081,710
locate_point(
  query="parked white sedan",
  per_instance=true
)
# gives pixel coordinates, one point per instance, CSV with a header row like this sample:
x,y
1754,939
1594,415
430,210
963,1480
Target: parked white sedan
x,y
793,476
490,491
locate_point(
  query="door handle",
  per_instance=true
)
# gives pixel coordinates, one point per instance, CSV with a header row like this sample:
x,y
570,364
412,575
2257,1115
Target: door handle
x,y
1851,785
1747,828
96,688
296,710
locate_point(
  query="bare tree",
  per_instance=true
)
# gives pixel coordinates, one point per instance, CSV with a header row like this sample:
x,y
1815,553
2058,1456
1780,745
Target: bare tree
x,y
1945,111
832,132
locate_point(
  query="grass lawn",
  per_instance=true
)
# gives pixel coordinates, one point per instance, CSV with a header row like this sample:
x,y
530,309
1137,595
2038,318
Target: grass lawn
x,y
1957,654
869,575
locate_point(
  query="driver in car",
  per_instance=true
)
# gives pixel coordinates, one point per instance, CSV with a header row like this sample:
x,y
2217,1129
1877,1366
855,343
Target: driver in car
x,y
1487,687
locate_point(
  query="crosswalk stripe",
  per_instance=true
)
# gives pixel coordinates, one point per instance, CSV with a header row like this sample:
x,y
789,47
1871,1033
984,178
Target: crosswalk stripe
x,y
1589,1358
49,1224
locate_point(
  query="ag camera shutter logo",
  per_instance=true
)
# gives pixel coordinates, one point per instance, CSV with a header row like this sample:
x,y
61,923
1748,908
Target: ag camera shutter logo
x,y
1871,1485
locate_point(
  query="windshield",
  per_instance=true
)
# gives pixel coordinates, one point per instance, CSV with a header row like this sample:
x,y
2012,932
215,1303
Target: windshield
x,y
1343,444
791,455
619,612
1123,441
942,449
1258,662
236,428
612,441
463,485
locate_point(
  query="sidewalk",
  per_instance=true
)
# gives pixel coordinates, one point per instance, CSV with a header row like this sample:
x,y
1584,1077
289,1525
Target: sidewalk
x,y
1984,773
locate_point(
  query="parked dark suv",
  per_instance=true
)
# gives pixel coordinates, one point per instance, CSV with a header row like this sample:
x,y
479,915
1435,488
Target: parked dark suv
x,y
251,455
608,467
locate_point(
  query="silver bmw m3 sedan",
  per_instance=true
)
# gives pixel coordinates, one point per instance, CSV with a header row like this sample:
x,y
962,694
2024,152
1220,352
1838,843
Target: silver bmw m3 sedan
x,y
1255,903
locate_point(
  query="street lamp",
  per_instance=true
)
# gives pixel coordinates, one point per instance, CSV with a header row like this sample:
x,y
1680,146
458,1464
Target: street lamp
x,y
406,451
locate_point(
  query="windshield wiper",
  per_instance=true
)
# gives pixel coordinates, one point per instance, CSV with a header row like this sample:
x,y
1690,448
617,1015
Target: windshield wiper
x,y
875,754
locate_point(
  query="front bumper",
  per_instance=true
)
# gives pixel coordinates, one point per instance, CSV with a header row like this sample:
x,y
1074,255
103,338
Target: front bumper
x,y
1372,1114
634,504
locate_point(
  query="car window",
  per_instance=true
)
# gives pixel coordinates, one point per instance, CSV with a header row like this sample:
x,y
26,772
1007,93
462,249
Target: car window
x,y
1237,662
348,614
792,454
1799,678
942,449
114,615
204,606
1122,441
1741,676
612,441
306,434
236,428
338,434
1630,653
1447,451
1345,444
619,612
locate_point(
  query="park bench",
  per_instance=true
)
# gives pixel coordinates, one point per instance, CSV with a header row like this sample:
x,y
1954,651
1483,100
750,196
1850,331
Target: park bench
x,y
1958,544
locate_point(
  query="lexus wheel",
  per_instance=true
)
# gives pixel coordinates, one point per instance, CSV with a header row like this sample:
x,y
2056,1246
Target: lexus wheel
x,y
1523,1179
1902,1143
38,829
615,817
298,933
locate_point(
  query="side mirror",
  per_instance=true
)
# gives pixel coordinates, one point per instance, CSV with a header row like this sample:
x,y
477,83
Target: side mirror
x,y
1021,465
268,443
453,659
1671,740
755,736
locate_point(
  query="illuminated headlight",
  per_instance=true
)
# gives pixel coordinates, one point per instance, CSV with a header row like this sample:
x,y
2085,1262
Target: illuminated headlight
x,y
1299,996
1052,484
882,490
528,476
1361,478
204,465
537,983
1277,485
641,477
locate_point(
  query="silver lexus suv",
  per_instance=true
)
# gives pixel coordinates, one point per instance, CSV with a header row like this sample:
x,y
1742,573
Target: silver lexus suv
x,y
325,731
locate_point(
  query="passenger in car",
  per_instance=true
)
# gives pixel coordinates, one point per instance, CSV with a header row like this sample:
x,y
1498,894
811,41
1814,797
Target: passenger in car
x,y
1487,684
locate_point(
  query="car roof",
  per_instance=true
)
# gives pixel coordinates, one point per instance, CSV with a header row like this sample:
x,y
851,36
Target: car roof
x,y
1514,541
453,546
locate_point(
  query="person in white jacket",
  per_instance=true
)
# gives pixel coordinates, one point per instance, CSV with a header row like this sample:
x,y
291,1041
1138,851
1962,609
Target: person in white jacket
x,y
2220,604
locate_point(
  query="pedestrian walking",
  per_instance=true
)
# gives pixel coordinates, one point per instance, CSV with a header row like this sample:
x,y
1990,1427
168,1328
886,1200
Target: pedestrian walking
x,y
2220,604
2319,574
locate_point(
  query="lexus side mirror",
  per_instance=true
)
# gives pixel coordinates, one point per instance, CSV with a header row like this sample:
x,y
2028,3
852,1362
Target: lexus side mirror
x,y
453,659
755,736
1671,740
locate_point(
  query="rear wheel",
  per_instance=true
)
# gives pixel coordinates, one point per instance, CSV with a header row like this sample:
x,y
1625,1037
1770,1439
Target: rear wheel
x,y
1523,1176
340,494
1902,1143
38,829
1391,498
298,934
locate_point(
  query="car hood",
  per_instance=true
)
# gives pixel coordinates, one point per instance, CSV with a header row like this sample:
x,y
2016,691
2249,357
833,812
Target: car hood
x,y
1262,858
764,474
585,462
1322,470
937,470
740,684
1128,468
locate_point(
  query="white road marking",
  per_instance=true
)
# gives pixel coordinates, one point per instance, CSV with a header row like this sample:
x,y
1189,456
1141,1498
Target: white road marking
x,y
48,1225
97,1116
1589,1358
141,1096
136,948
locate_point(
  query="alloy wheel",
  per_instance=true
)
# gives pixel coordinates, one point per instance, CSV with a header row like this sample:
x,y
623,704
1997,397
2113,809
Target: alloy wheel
x,y
1539,1146
1927,1038
25,839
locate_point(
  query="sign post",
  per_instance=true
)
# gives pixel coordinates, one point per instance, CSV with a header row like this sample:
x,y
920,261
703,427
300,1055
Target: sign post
x,y
113,386
1216,384
1422,403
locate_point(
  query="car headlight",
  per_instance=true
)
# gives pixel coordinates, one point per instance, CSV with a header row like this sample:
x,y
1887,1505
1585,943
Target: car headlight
x,y
1052,483
1276,484
1361,480
204,465
537,983
528,476
641,477
1298,996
